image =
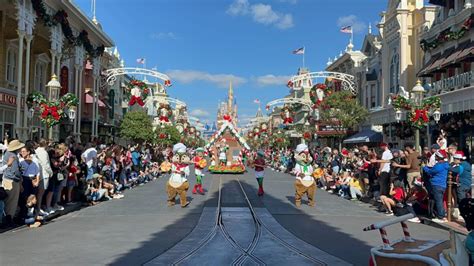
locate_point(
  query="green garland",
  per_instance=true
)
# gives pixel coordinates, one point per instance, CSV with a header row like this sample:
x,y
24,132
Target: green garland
x,y
417,117
51,112
137,83
61,18
448,35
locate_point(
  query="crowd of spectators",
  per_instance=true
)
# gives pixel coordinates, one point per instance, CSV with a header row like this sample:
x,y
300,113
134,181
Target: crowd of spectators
x,y
39,178
395,181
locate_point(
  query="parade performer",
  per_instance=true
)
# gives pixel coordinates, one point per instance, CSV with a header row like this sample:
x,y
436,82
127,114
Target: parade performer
x,y
178,183
304,183
223,155
199,164
259,165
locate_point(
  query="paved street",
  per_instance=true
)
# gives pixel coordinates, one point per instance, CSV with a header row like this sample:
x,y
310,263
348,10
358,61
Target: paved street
x,y
140,227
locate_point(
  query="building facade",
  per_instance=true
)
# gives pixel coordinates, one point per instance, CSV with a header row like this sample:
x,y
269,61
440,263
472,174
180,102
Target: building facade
x,y
33,47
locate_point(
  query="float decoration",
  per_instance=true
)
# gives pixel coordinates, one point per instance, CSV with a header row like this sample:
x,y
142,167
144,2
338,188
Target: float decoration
x,y
51,112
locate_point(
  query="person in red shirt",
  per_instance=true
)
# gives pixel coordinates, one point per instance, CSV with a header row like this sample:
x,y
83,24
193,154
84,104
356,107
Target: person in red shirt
x,y
72,179
397,195
259,165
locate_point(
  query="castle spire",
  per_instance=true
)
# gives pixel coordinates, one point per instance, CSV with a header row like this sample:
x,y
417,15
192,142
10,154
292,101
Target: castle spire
x,y
230,99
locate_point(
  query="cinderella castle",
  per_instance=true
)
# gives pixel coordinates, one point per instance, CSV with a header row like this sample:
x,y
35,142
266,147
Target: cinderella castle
x,y
227,110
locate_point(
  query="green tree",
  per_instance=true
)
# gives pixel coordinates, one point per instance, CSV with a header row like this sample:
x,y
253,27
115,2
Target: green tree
x,y
137,126
341,110
167,135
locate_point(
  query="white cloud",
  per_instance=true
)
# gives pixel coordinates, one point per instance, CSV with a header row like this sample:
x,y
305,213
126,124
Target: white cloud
x,y
352,20
293,2
239,7
261,13
200,113
270,80
162,36
220,80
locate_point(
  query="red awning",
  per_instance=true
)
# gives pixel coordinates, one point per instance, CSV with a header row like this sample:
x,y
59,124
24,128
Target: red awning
x,y
467,52
456,55
90,99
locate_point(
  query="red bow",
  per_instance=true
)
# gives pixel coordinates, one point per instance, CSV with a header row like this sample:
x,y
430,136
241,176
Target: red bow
x,y
290,84
164,118
288,120
50,110
168,83
227,118
134,100
420,113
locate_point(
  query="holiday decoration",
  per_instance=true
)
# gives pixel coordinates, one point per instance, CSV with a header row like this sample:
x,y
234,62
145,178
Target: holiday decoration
x,y
60,17
51,112
165,113
287,115
448,35
417,116
137,91
317,94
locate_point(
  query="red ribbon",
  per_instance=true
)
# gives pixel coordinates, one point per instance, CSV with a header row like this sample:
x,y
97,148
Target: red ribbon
x,y
288,120
134,100
420,113
164,119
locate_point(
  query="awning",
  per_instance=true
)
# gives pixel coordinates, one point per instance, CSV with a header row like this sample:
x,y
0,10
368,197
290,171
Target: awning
x,y
424,71
456,55
90,99
467,52
365,136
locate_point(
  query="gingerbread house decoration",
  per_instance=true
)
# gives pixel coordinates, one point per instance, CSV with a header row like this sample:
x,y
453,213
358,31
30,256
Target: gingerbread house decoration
x,y
227,135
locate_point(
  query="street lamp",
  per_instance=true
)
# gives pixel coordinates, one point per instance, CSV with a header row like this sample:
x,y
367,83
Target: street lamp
x,y
436,116
71,113
398,115
53,87
417,94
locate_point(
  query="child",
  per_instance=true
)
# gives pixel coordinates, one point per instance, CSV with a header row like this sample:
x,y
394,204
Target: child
x,y
72,179
397,196
199,164
259,165
31,219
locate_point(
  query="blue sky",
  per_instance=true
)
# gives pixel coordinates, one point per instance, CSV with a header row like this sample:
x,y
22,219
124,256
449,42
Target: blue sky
x,y
203,44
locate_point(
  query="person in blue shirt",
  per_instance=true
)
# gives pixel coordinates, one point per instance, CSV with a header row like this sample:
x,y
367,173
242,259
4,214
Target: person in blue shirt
x,y
438,178
136,160
462,171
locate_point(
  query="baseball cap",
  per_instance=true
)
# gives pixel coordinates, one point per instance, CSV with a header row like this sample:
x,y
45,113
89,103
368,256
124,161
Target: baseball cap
x,y
383,144
435,146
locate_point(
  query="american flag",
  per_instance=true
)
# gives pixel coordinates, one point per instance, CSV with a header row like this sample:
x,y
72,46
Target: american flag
x,y
257,101
299,51
141,60
346,29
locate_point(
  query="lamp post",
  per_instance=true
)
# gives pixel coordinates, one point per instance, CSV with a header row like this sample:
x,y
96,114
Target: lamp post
x,y
417,94
53,87
30,114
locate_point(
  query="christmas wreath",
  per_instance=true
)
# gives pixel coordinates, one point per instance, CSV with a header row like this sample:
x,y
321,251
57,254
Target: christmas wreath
x,y
51,112
283,114
417,116
314,96
137,96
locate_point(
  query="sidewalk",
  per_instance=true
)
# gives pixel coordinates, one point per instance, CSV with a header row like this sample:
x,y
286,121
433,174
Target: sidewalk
x,y
457,226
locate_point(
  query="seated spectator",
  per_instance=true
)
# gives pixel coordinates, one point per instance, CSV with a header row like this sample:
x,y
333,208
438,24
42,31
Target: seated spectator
x,y
355,187
417,200
396,196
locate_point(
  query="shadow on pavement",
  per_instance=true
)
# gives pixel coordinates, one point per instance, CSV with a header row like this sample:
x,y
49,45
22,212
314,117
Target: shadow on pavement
x,y
321,234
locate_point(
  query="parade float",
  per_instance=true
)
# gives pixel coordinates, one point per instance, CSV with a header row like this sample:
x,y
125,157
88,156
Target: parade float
x,y
411,251
226,147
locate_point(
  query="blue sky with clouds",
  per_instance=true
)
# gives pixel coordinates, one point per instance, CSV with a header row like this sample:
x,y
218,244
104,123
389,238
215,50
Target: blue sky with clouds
x,y
203,44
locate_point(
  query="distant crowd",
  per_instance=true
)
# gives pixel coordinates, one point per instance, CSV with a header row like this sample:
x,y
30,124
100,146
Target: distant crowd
x,y
396,181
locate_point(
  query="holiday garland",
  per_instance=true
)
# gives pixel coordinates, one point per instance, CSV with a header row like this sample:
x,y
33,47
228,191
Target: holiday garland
x,y
417,117
448,35
61,18
51,112
314,96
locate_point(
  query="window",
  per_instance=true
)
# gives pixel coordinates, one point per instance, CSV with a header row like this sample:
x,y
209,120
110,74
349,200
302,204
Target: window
x,y
451,71
466,67
11,65
40,76
372,96
394,73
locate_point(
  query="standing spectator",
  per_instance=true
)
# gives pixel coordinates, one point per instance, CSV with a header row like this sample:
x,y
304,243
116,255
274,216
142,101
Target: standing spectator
x,y
89,157
30,173
412,164
11,179
462,171
452,149
72,179
46,173
441,141
335,162
384,169
136,160
438,177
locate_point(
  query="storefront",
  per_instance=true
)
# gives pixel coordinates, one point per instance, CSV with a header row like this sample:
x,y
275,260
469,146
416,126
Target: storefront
x,y
7,114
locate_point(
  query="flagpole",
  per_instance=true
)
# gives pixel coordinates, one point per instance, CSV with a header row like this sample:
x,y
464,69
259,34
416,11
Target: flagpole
x,y
304,52
352,35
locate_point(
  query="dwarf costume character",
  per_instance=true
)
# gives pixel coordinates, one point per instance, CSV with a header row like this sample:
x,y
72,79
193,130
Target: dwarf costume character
x,y
178,183
304,183
199,165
